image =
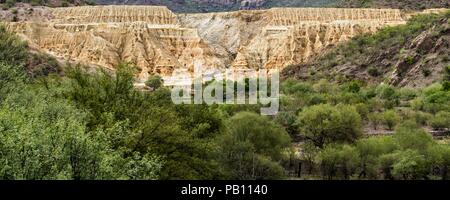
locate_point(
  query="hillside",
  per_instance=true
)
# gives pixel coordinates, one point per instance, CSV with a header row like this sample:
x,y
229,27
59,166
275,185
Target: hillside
x,y
403,4
220,5
408,55
51,3
71,120
228,5
158,41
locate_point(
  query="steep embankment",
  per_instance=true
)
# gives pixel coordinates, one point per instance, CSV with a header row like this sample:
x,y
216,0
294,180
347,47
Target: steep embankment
x,y
275,38
403,4
196,6
148,37
229,5
409,55
158,41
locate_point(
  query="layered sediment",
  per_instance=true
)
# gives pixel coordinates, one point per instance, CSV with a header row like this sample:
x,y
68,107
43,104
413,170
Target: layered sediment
x,y
157,41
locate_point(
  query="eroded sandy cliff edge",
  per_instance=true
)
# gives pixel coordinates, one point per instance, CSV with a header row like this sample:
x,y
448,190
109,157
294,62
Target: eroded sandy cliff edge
x,y
158,41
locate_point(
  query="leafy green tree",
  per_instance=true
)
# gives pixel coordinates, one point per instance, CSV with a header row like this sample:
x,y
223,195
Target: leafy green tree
x,y
323,124
12,50
409,165
390,119
446,80
10,77
362,110
410,136
10,3
421,118
338,161
46,138
309,155
254,147
291,86
370,150
375,119
352,86
436,99
329,161
154,82
349,161
184,136
440,121
438,157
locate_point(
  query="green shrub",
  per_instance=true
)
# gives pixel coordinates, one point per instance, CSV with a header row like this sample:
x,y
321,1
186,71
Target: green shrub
x,y
363,110
410,60
12,50
372,71
375,119
409,165
426,72
421,118
324,124
260,144
154,82
341,161
10,3
446,80
390,119
370,150
440,121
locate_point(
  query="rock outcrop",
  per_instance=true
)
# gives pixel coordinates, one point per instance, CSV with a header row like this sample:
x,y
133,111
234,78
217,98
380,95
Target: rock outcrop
x,y
279,37
148,37
413,55
158,41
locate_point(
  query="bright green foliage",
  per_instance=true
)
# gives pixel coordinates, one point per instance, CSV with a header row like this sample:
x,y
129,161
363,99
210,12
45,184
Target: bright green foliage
x,y
440,121
410,136
10,79
153,124
253,147
370,151
446,80
435,99
341,161
45,138
409,165
97,126
323,124
154,82
438,156
375,119
12,50
390,119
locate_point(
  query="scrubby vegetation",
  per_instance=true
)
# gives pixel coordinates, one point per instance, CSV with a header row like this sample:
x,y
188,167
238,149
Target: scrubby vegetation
x,y
396,125
217,5
63,3
75,123
403,4
388,56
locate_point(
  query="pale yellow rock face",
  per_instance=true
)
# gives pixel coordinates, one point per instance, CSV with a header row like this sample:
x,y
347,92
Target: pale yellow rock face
x,y
157,41
276,38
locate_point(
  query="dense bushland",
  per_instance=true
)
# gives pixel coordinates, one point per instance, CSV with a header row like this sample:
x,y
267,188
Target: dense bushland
x,y
75,123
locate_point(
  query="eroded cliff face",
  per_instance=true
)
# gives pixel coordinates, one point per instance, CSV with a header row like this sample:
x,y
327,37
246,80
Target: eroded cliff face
x,y
149,37
158,41
275,38
243,4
